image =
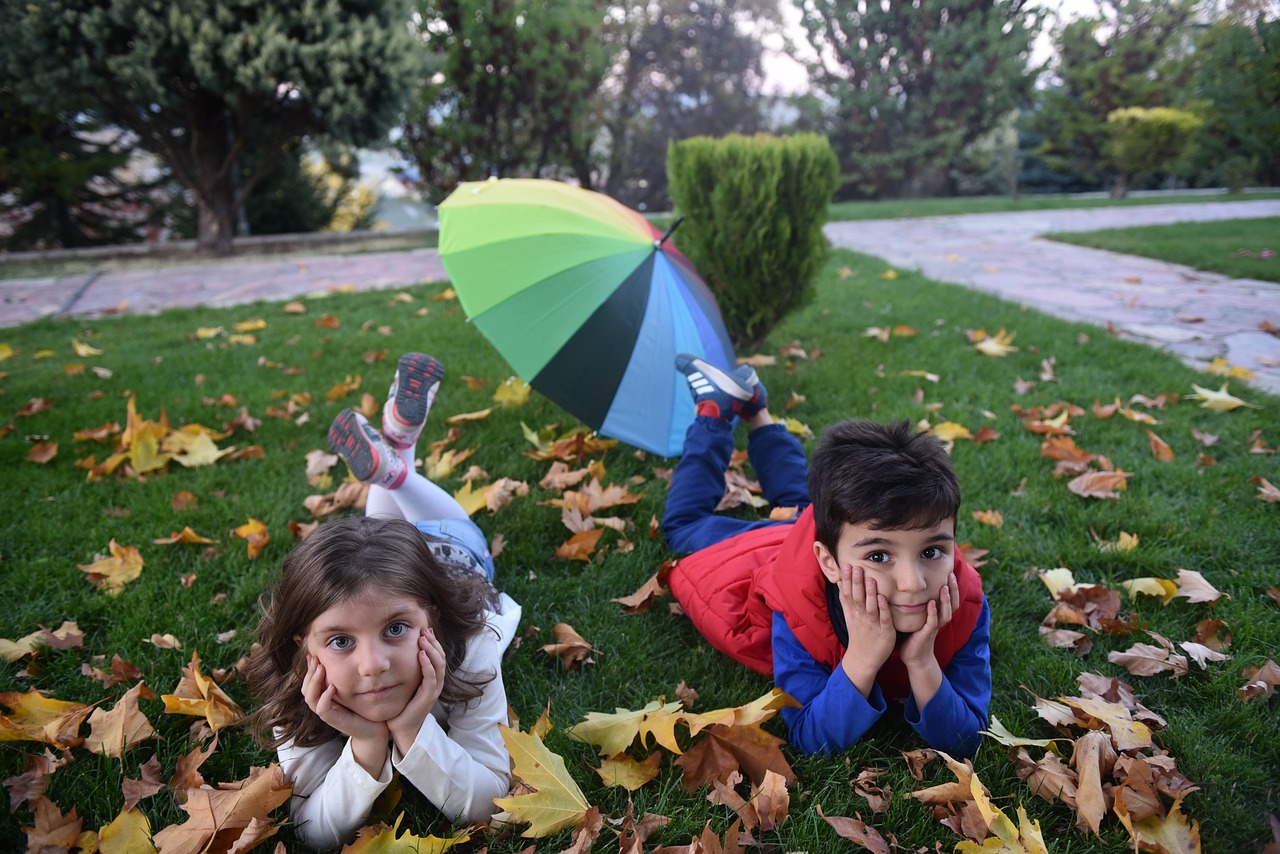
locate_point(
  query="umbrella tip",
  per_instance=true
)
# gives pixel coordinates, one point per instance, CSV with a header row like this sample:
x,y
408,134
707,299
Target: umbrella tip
x,y
657,244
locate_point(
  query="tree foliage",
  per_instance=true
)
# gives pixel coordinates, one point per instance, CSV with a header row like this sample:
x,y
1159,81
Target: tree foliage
x,y
201,81
1237,79
681,70
1146,140
914,83
509,91
1129,55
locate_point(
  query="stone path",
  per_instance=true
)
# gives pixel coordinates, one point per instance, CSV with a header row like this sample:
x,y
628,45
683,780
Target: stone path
x,y
1195,315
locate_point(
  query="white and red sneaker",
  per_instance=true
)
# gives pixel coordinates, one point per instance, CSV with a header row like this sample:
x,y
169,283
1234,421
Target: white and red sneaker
x,y
369,456
409,399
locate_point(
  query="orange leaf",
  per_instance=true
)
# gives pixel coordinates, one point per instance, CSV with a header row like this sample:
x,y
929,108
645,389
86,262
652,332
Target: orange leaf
x,y
994,518
1159,448
53,831
237,814
42,452
329,321
642,600
34,717
580,546
1099,484
572,648
255,533
186,535
198,696
342,389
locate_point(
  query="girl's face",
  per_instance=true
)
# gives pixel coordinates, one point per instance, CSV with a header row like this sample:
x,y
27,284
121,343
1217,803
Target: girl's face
x,y
368,645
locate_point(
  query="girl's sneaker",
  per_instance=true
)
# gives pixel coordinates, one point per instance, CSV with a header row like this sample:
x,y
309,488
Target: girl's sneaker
x,y
409,400
369,456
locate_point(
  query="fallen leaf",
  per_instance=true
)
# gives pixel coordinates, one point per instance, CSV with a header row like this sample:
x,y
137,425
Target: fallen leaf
x,y
572,648
1092,759
186,535
112,573
34,717
556,802
42,452
512,392
994,518
237,814
199,696
642,600
254,532
1218,401
1193,587
112,733
1259,681
143,788
1000,344
53,832
380,839
1099,484
855,830
629,773
1159,448
580,546
1266,491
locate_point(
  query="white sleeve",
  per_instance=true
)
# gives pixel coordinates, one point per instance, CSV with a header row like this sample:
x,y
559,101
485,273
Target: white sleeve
x,y
332,794
461,764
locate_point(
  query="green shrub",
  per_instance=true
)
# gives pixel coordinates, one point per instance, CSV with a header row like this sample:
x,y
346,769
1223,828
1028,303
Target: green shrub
x,y
754,208
1147,140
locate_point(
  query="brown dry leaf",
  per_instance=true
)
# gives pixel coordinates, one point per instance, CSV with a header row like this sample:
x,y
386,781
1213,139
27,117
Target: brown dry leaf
x,y
139,790
1127,733
1171,835
28,787
1093,759
502,492
867,784
630,774
572,648
164,641
66,636
1266,491
918,760
254,532
642,600
123,728
53,832
112,573
747,747
687,696
318,464
187,775
237,814
1202,654
556,802
34,717
1259,681
350,494
580,546
198,696
1193,587
1159,448
465,417
585,833
560,477
42,452
855,830
1099,484
1214,634
957,791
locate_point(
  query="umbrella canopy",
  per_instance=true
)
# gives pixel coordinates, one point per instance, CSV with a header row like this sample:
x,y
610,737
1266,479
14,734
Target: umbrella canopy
x,y
585,301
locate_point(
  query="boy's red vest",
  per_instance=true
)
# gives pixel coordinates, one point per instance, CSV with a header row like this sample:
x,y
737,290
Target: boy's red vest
x,y
731,590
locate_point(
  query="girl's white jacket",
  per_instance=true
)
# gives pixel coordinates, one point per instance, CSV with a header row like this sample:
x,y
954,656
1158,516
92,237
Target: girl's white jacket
x,y
458,761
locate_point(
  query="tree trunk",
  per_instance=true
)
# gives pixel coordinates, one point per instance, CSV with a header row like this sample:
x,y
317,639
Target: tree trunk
x,y
1120,189
215,193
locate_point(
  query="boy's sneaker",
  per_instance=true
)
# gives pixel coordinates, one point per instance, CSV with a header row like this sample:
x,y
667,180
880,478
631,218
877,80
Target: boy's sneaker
x,y
409,399
369,456
715,393
747,375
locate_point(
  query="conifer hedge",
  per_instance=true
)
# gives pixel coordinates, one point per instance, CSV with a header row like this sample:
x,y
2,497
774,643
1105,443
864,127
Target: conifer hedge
x,y
754,207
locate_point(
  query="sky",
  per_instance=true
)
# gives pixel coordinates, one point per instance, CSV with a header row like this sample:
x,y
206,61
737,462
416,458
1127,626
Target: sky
x,y
784,75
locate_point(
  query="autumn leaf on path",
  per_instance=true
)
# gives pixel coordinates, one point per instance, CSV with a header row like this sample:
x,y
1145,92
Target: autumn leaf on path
x,y
237,814
572,647
254,533
1099,484
380,839
34,717
198,696
123,728
556,801
112,573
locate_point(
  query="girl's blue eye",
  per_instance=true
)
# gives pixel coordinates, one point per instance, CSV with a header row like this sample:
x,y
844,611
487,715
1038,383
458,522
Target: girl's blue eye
x,y
397,630
339,643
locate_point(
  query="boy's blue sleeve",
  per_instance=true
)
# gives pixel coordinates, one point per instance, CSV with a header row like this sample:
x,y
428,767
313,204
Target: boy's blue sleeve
x,y
951,719
833,714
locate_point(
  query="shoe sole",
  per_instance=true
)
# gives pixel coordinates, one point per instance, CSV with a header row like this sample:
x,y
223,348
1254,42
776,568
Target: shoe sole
x,y
348,441
725,382
416,373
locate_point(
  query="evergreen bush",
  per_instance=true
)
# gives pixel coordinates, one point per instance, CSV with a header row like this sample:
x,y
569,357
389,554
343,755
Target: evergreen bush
x,y
754,207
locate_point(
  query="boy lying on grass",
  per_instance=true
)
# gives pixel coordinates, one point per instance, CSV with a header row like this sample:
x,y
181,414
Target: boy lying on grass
x,y
860,600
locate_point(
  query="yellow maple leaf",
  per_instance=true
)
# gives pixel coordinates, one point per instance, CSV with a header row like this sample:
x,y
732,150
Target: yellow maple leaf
x,y
512,392
6,352
191,448
556,802
630,773
1172,833
798,428
251,325
1025,838
380,839
613,733
1218,401
197,695
186,535
1000,344
1149,586
1219,367
949,431
1126,542
463,417
83,350
470,499
112,572
129,831
205,332
144,448
34,717
889,274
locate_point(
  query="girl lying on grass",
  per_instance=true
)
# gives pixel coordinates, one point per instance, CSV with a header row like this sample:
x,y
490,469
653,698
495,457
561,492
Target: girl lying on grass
x,y
381,643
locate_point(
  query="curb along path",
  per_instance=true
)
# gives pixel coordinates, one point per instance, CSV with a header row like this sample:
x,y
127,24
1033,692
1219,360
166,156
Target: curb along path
x,y
1193,314
1196,315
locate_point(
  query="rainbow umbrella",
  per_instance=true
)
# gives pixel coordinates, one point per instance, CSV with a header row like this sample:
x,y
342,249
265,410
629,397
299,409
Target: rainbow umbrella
x,y
585,300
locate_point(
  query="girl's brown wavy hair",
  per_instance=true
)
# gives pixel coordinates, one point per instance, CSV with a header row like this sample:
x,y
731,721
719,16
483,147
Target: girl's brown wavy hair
x,y
351,557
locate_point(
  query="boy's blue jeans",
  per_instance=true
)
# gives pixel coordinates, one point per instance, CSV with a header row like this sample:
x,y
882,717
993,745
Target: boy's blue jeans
x,y
697,484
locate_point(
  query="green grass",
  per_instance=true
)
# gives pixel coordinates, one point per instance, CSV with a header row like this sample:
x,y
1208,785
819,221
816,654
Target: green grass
x,y
903,208
1214,246
1202,518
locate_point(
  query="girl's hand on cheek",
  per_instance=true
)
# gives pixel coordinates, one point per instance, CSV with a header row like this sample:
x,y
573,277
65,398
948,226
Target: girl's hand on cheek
x,y
322,698
404,726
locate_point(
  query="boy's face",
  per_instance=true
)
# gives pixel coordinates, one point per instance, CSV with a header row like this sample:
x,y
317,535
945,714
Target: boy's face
x,y
909,565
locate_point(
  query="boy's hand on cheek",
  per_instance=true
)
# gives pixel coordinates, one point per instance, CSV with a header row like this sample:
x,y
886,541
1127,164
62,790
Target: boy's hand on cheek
x,y
917,649
870,626
404,726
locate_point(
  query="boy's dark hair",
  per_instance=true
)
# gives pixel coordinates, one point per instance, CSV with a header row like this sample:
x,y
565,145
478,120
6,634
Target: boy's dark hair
x,y
886,475
337,561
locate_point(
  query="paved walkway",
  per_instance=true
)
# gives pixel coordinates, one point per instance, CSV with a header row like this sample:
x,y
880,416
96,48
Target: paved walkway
x,y
1195,315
